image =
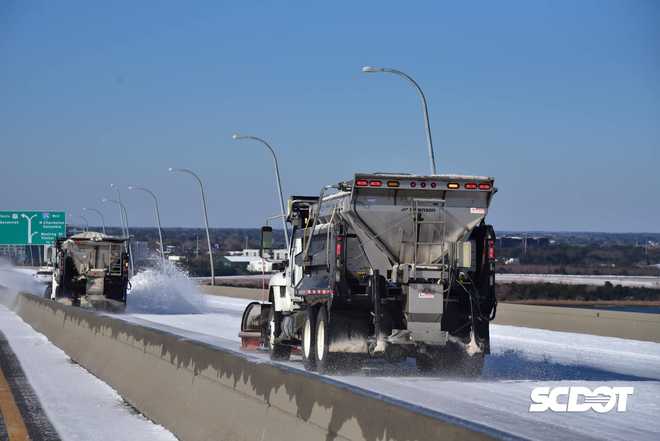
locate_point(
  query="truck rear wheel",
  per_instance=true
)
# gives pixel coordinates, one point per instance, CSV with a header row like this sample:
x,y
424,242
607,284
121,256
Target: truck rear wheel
x,y
309,339
325,361
276,350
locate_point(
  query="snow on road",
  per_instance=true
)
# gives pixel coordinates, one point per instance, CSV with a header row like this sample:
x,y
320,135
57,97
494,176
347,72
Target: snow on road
x,y
521,359
80,406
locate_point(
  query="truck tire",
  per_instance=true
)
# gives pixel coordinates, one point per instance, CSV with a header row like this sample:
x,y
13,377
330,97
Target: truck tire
x,y
325,361
309,339
277,351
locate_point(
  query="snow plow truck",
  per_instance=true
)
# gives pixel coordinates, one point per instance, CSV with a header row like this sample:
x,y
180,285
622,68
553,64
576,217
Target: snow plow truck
x,y
383,265
90,269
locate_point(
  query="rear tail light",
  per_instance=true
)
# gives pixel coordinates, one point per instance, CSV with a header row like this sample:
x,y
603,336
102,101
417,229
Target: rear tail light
x,y
338,248
375,183
491,250
470,186
392,184
362,183
484,186
453,185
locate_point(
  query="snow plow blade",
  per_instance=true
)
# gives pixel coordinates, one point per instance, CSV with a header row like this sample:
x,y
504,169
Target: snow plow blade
x,y
253,325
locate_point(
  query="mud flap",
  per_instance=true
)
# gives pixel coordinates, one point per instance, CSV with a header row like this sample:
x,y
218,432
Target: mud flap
x,y
253,326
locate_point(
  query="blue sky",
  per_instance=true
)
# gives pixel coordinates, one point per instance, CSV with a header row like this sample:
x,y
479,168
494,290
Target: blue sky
x,y
558,100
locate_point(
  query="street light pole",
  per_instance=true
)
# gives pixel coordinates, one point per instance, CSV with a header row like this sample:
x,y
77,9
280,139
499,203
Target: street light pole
x,y
124,223
427,124
278,179
100,215
160,230
206,216
86,222
122,207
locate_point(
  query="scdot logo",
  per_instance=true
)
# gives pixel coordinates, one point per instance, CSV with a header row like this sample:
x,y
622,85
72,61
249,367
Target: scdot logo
x,y
580,399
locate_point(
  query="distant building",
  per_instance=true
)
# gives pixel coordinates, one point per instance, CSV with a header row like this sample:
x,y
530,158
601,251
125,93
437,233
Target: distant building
x,y
523,242
251,261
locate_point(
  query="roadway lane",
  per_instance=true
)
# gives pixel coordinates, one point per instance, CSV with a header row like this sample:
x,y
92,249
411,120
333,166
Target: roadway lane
x,y
21,414
522,359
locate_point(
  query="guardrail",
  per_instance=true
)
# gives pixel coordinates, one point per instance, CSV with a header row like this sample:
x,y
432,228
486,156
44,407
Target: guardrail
x,y
204,392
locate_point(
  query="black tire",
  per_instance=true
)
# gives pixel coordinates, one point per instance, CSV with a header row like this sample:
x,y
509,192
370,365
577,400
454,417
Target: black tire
x,y
325,361
277,351
308,345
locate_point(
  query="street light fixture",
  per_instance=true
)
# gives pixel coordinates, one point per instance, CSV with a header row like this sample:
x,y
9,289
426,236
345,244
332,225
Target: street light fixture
x,y
160,232
236,136
427,124
100,215
122,207
206,215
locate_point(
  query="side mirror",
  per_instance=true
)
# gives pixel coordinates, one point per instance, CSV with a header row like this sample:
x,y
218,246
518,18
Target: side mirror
x,y
266,240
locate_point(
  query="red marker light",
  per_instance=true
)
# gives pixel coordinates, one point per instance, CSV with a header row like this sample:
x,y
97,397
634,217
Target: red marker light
x,y
470,186
484,186
375,183
361,182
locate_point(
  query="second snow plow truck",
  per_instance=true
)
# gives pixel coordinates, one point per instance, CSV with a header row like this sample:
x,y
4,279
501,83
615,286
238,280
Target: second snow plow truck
x,y
384,265
92,270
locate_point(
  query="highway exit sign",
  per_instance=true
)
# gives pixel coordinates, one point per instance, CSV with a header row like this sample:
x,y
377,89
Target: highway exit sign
x,y
31,227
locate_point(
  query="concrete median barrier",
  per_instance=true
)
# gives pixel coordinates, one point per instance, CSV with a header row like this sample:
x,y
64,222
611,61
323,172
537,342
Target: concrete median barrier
x,y
201,391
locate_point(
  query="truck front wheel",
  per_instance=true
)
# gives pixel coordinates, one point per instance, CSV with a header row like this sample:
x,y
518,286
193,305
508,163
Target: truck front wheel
x,y
277,351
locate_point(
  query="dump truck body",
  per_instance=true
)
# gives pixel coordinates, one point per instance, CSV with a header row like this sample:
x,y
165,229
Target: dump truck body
x,y
90,269
388,265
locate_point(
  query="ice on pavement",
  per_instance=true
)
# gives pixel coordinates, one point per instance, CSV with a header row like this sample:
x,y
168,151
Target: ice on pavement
x,y
80,406
521,359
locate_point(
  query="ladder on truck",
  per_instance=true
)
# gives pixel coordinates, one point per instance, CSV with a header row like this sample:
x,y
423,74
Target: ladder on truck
x,y
419,220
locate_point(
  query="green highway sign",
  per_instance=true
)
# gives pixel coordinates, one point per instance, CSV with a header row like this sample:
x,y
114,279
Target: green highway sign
x,y
31,227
